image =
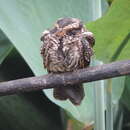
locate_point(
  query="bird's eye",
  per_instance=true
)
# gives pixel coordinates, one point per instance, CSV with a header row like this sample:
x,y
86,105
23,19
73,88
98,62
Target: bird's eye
x,y
91,40
72,32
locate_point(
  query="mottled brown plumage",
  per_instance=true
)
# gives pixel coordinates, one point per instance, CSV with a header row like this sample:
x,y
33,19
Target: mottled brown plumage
x,y
67,47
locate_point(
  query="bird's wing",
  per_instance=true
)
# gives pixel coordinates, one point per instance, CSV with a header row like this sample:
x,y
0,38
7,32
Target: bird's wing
x,y
87,52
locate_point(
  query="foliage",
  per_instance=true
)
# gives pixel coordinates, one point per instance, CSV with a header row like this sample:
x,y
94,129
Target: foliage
x,y
112,32
5,46
23,21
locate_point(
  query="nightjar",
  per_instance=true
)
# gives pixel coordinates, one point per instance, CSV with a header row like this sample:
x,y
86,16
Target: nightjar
x,y
65,48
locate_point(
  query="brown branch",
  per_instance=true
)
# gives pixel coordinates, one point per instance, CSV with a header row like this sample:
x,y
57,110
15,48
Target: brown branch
x,y
105,71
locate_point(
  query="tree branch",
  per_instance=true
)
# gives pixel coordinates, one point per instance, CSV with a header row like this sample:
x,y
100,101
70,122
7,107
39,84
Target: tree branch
x,y
89,74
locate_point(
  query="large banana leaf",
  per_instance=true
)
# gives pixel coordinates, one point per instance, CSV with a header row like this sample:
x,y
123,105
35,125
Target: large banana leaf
x,y
23,22
5,46
112,32
24,111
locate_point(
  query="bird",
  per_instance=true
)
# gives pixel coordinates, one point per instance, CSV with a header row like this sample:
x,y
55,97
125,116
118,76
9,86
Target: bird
x,y
67,47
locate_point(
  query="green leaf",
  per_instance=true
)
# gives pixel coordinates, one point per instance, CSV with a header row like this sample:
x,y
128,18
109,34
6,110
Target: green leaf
x,y
126,94
118,85
24,21
18,113
28,111
5,46
112,32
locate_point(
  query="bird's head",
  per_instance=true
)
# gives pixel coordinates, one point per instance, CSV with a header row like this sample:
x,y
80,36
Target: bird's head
x,y
71,27
68,26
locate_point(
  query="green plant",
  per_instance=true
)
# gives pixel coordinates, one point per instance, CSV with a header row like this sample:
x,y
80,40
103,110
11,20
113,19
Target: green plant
x,y
23,21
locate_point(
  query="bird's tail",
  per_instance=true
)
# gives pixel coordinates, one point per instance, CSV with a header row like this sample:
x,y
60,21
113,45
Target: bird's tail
x,y
75,93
